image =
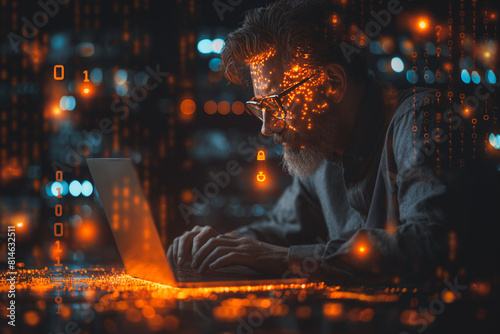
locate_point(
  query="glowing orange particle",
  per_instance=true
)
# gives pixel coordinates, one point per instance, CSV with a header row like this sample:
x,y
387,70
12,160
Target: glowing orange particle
x,y
20,224
448,297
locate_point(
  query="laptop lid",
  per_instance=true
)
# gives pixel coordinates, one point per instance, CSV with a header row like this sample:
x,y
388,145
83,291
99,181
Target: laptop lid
x,y
130,219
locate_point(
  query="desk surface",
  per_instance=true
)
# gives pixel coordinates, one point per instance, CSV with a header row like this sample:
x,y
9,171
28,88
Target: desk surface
x,y
106,300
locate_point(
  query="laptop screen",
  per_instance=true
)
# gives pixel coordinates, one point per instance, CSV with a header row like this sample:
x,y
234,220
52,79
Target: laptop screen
x,y
130,219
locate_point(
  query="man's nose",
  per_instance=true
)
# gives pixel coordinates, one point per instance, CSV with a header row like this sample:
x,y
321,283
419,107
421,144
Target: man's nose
x,y
271,125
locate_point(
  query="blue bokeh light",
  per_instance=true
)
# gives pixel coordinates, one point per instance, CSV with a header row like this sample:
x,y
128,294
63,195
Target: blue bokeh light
x,y
205,46
217,45
63,185
411,76
75,188
87,188
121,90
397,64
67,103
475,77
465,76
121,77
214,63
58,42
492,79
429,77
96,75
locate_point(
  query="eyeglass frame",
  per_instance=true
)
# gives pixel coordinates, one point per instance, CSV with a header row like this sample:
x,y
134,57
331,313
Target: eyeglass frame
x,y
277,98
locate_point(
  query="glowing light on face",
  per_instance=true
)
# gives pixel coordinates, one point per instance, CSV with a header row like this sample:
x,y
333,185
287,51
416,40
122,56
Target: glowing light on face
x,y
256,63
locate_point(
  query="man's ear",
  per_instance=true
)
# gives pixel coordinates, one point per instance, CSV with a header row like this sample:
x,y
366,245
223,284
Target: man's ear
x,y
336,82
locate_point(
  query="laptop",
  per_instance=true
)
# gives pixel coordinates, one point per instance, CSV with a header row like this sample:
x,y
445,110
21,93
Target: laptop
x,y
138,241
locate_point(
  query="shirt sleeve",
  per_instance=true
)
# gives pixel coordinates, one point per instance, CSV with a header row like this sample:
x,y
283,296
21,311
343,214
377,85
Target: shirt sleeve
x,y
295,219
416,199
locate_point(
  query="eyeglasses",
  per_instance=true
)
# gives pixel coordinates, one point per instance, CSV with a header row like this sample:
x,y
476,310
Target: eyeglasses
x,y
272,104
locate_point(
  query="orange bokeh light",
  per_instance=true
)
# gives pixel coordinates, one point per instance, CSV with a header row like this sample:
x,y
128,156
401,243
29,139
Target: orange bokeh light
x,y
210,107
188,107
87,232
224,107
238,108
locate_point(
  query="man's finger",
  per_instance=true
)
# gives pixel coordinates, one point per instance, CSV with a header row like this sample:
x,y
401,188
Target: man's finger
x,y
174,248
184,247
227,260
217,253
208,248
199,240
169,252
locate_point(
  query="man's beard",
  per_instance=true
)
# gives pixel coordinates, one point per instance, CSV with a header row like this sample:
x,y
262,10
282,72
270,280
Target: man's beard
x,y
304,156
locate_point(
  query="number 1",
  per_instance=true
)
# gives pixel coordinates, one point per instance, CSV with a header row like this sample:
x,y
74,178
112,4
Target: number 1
x,y
86,76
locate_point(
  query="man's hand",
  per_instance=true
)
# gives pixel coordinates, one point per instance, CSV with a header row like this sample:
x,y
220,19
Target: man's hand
x,y
226,249
185,246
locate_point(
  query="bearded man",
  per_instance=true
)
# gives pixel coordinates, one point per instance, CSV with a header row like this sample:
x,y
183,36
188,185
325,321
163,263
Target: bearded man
x,y
376,195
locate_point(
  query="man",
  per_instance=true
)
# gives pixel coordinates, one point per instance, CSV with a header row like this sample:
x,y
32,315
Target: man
x,y
373,198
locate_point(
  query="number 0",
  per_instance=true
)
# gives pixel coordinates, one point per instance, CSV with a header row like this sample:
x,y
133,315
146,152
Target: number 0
x,y
58,77
58,210
58,234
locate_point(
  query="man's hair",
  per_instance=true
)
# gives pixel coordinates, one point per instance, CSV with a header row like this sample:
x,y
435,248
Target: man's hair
x,y
305,31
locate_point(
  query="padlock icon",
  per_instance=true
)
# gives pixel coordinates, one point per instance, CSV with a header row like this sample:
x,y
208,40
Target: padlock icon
x,y
261,155
261,177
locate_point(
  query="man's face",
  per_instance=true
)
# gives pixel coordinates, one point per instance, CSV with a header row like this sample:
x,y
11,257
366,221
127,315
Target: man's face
x,y
308,131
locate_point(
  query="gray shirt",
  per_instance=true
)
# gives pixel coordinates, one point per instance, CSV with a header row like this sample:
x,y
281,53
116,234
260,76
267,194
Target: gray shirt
x,y
386,210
